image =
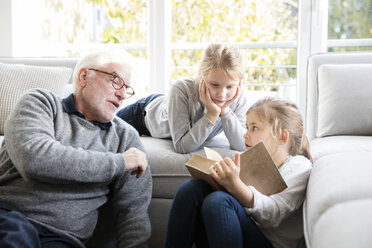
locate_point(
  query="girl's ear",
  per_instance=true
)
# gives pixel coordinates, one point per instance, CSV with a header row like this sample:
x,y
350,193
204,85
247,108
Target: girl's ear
x,y
82,77
284,137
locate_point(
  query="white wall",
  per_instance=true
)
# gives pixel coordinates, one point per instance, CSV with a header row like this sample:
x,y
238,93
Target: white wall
x,y
6,37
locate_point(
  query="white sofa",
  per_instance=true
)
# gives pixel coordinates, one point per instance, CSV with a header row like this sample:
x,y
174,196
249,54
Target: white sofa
x,y
167,166
338,206
337,210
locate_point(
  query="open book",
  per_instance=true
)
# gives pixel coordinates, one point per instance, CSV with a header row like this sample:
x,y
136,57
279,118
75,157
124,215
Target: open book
x,y
256,169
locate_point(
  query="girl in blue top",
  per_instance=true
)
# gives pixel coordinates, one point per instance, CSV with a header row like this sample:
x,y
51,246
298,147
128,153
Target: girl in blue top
x,y
243,216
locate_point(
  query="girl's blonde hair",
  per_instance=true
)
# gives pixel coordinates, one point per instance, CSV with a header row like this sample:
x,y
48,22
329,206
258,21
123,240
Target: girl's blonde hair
x,y
282,114
226,58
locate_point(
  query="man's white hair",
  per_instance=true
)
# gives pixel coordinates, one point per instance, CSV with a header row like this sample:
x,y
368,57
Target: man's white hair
x,y
100,58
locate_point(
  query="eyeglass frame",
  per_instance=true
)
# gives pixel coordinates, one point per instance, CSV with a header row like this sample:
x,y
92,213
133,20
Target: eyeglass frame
x,y
114,84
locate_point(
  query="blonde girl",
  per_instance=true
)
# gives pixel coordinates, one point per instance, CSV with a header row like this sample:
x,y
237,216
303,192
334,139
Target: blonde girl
x,y
243,216
197,109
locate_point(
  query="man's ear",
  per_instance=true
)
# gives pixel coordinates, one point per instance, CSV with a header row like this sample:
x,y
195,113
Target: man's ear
x,y
82,77
284,137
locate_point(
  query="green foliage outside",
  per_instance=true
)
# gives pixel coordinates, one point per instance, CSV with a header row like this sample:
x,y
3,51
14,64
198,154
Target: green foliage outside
x,y
350,19
215,21
128,22
235,21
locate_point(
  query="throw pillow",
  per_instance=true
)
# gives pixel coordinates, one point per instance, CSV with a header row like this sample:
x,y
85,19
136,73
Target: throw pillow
x,y
15,79
344,100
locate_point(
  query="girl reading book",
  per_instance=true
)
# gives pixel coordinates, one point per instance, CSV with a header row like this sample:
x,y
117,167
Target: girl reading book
x,y
242,216
197,109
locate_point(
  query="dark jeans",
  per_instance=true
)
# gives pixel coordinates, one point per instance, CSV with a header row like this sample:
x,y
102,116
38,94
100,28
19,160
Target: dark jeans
x,y
210,218
16,231
135,113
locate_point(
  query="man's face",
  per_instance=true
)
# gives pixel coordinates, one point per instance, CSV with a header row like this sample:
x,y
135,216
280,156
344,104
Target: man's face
x,y
221,88
100,100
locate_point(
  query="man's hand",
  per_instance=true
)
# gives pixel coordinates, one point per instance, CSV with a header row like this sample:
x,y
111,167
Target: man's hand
x,y
135,160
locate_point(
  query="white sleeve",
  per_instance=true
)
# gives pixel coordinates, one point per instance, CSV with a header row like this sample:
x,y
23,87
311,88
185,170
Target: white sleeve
x,y
269,211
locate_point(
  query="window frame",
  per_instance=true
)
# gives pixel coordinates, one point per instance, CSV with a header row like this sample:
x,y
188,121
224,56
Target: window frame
x,y
312,39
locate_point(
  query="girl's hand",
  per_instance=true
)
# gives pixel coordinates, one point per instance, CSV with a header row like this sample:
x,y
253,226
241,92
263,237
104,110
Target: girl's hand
x,y
213,111
226,172
225,108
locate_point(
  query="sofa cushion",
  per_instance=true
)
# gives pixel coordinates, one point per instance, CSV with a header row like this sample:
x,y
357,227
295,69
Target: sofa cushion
x,y
15,79
332,228
336,179
344,102
321,147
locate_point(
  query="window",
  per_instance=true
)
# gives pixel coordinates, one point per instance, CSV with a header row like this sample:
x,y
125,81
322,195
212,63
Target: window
x,y
167,36
349,25
266,32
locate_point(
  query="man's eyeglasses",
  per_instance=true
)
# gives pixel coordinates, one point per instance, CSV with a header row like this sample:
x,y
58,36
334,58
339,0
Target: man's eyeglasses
x,y
118,83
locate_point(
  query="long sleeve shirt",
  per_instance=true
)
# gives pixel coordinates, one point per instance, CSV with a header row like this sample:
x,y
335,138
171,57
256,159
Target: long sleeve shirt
x,y
181,116
58,169
279,216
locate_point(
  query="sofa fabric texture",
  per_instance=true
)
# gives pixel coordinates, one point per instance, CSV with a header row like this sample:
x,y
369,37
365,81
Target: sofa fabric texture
x,y
337,209
53,79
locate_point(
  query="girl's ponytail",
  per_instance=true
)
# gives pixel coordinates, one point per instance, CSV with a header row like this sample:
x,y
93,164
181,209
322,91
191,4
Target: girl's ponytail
x,y
305,148
283,114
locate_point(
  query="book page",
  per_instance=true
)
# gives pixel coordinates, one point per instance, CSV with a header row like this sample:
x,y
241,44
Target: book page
x,y
256,168
212,154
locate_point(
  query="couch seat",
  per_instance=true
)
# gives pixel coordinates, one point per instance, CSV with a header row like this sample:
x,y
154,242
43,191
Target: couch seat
x,y
339,194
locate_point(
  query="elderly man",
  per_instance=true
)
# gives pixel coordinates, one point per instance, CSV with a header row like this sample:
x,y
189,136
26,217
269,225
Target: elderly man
x,y
62,159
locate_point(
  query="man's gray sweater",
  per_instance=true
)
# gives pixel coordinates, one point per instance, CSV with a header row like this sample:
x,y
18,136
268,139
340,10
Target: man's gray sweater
x,y
58,169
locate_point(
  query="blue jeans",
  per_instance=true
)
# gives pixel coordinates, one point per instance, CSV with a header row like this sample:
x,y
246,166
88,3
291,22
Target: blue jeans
x,y
207,218
16,231
135,113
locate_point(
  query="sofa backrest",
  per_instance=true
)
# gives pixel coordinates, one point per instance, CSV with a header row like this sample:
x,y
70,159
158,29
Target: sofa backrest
x,y
339,94
66,62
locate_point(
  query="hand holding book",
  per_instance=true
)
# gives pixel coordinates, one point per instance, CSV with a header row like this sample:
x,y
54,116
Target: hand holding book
x,y
256,169
226,172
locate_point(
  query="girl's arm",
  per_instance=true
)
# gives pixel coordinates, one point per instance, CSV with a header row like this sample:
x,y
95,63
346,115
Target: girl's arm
x,y
182,108
270,210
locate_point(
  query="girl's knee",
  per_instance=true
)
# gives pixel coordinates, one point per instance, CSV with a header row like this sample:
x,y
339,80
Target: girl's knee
x,y
193,189
216,199
190,186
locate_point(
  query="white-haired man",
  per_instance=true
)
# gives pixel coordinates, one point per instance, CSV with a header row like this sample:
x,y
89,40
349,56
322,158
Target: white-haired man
x,y
62,159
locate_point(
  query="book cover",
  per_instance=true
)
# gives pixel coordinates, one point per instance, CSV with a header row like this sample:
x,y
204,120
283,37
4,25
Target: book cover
x,y
256,168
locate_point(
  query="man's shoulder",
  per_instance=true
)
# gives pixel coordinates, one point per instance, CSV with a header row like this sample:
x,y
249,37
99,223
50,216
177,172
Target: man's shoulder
x,y
39,93
38,97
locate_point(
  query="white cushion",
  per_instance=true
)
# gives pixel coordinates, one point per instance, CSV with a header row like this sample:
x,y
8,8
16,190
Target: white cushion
x,y
336,179
15,79
332,230
345,101
321,147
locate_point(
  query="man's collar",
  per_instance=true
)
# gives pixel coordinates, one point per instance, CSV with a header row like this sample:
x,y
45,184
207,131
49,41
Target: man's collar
x,y
69,106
